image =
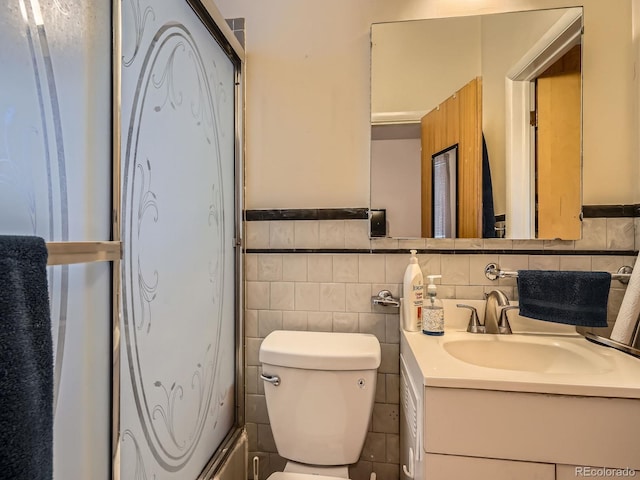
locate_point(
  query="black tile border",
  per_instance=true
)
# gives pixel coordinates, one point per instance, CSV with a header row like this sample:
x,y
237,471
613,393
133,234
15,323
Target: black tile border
x,y
307,214
445,251
261,215
611,211
589,211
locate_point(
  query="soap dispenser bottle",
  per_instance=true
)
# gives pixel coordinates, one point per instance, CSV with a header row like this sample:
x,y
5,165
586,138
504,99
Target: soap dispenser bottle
x,y
413,290
432,311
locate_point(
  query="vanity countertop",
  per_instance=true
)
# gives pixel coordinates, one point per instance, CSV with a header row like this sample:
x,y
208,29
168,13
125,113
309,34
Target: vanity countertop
x,y
579,367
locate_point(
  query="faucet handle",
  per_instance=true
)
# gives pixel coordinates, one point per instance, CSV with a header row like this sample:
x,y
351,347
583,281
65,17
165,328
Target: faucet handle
x,y
503,324
474,322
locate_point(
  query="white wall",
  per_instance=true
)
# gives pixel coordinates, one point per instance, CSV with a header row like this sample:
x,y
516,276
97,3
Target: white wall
x,y
396,184
308,107
403,56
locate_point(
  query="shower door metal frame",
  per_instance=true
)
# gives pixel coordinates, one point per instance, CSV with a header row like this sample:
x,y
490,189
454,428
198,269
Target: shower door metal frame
x,y
116,78
222,34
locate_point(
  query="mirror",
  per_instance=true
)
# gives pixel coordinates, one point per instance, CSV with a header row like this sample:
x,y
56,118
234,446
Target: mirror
x,y
471,82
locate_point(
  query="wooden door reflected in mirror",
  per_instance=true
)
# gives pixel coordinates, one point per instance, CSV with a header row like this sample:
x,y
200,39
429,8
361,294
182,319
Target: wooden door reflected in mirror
x,y
557,126
456,121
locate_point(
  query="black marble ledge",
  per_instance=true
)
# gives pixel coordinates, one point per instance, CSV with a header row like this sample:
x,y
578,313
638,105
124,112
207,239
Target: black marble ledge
x,y
307,214
261,215
610,211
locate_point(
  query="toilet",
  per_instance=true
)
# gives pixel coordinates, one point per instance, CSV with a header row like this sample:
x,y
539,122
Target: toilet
x,y
319,388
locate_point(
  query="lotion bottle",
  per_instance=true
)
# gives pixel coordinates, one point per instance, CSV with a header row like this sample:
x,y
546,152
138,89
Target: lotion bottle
x,y
413,289
432,311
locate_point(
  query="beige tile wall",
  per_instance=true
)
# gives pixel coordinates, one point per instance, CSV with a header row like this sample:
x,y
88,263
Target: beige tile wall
x,y
235,466
332,292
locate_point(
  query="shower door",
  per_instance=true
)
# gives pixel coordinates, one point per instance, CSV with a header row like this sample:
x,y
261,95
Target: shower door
x,y
178,304
55,183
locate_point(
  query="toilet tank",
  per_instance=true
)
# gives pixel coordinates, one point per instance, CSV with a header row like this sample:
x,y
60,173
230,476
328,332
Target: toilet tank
x,y
320,410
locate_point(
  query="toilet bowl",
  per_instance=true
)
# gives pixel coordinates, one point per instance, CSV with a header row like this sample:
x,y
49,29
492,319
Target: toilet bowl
x,y
319,388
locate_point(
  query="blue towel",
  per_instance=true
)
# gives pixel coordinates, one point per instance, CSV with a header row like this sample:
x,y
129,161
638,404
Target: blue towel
x,y
488,212
574,298
26,361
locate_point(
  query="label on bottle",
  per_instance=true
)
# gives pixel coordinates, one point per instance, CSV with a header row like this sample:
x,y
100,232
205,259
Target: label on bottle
x,y
418,300
433,320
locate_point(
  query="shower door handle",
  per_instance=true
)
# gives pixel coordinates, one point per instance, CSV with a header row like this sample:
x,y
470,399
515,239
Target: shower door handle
x,y
272,379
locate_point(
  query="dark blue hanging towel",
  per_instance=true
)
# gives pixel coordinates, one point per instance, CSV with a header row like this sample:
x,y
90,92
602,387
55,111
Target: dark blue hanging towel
x,y
26,361
574,298
488,213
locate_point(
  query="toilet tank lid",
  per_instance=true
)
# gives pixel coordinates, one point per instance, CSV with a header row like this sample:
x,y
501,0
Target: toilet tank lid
x,y
321,350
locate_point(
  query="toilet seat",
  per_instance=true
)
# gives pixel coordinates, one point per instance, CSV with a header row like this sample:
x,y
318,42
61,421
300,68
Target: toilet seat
x,y
300,476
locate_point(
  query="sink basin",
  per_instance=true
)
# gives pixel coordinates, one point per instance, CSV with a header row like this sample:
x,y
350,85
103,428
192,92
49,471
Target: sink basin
x,y
530,354
539,357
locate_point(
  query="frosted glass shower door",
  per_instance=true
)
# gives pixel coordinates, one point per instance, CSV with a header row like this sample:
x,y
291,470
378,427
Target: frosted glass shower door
x,y
55,183
178,223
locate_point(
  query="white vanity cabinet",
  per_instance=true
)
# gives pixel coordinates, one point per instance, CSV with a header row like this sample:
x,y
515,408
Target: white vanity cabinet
x,y
419,464
493,429
453,467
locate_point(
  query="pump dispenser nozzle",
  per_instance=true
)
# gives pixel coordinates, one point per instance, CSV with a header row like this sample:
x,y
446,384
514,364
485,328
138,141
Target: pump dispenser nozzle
x,y
431,288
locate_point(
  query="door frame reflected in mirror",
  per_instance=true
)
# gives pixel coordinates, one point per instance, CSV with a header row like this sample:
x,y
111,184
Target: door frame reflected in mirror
x,y
520,137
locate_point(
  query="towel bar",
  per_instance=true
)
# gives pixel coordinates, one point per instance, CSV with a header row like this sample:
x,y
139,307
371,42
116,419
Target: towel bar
x,y
492,272
65,253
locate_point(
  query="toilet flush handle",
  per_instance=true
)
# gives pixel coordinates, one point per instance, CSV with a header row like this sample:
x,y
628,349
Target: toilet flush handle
x,y
272,379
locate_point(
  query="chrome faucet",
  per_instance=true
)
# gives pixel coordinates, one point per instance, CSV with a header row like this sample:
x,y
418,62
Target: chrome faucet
x,y
495,314
495,300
